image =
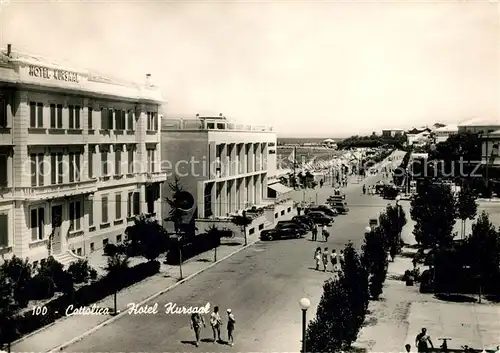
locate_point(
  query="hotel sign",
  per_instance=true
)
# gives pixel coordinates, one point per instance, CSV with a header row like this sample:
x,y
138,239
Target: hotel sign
x,y
52,74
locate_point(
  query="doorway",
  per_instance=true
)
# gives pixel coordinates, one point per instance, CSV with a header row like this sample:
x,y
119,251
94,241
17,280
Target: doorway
x,y
56,228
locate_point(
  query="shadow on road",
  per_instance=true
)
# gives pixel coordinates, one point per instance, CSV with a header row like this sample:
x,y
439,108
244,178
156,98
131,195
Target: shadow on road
x,y
456,298
232,243
192,343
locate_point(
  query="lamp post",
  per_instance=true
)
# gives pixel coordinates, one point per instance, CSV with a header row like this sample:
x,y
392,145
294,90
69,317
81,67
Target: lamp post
x,y
304,304
368,229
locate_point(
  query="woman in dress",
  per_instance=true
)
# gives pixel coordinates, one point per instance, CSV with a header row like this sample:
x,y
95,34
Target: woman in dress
x,y
317,257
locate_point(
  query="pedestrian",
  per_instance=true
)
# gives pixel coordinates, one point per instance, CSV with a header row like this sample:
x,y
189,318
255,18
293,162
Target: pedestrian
x,y
298,211
315,232
422,341
216,323
321,183
325,259
324,232
317,257
333,260
364,189
230,327
196,322
341,259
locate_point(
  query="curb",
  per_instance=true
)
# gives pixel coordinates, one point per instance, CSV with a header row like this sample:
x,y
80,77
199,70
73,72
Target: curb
x,y
163,291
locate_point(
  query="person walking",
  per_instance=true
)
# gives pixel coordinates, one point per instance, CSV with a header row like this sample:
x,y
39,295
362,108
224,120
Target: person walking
x,y
325,259
423,341
333,260
315,232
324,232
230,327
216,323
196,322
317,257
364,189
341,259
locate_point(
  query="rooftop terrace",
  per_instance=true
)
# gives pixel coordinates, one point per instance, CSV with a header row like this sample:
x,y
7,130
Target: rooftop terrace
x,y
209,123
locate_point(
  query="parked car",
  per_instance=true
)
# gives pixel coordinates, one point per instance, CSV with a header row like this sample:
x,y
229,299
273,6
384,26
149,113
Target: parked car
x,y
304,220
336,197
340,207
320,218
323,208
302,229
280,233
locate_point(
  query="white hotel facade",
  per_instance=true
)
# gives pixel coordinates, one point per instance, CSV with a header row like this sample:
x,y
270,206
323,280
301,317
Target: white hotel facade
x,y
77,147
226,166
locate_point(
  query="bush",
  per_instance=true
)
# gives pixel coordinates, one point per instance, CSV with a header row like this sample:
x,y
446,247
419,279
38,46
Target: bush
x,y
191,248
19,272
41,287
80,271
93,274
86,295
110,249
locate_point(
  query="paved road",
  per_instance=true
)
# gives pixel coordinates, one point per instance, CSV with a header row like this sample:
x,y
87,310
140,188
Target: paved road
x,y
262,285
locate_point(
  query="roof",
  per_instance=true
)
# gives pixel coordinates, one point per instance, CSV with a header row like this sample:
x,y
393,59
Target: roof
x,y
448,128
94,82
480,122
415,131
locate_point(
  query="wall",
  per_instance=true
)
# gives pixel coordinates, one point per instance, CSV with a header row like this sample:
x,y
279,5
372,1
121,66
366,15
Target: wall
x,y
177,149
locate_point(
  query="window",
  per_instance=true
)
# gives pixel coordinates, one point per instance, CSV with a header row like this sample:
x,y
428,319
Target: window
x,y
89,117
130,120
104,211
75,214
37,223
91,212
118,161
59,116
119,238
105,242
104,162
92,247
53,120
74,116
37,170
131,159
56,165
3,112
137,204
152,121
150,200
110,119
79,251
74,167
129,204
36,115
104,119
118,203
120,119
151,160
91,162
4,230
4,178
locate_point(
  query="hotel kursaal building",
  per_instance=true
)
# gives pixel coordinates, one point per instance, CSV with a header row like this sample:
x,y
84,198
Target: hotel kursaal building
x,y
79,158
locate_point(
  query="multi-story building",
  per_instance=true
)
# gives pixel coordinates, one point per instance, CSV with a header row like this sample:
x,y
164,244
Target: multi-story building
x,y
418,136
79,157
393,132
442,134
224,165
481,126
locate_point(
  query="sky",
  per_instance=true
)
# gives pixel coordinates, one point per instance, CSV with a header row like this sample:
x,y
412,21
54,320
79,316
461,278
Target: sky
x,y
306,68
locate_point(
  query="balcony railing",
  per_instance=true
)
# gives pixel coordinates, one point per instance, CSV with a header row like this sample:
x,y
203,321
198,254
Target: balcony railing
x,y
57,190
196,124
154,177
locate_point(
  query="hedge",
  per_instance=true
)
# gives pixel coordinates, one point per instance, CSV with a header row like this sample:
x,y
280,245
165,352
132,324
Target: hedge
x,y
84,296
191,247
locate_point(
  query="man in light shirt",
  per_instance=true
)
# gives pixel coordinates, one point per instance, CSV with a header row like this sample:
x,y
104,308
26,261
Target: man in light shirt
x,y
216,322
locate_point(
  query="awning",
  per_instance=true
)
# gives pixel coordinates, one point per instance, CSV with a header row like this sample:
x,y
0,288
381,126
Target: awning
x,y
280,188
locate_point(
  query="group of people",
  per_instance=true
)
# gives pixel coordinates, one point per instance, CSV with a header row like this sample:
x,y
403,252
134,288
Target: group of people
x,y
324,232
323,257
197,322
370,190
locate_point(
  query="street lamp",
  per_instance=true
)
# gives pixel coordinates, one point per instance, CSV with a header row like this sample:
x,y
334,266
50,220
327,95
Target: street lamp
x,y
368,229
304,304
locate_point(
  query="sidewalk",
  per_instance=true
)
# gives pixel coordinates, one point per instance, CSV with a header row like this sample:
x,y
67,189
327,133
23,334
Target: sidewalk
x,y
71,327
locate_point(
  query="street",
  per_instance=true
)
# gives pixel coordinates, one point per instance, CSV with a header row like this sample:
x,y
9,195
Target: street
x,y
262,285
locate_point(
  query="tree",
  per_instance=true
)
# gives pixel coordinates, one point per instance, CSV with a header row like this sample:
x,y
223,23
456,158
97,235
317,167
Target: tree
x,y
8,310
19,273
466,207
146,238
117,264
177,214
391,223
327,332
433,210
355,282
214,232
374,260
242,221
483,249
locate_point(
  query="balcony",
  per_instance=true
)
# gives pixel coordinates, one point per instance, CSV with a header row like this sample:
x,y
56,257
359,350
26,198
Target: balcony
x,y
112,136
41,136
207,125
56,191
154,177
